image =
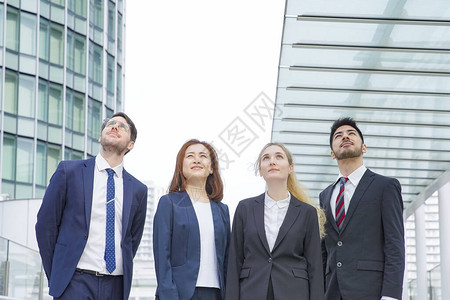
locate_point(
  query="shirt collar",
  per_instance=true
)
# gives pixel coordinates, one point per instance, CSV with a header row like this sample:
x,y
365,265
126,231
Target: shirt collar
x,y
102,165
269,202
355,176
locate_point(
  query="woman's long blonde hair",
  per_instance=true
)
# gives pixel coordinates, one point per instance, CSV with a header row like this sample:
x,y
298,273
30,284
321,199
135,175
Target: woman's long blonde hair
x,y
294,186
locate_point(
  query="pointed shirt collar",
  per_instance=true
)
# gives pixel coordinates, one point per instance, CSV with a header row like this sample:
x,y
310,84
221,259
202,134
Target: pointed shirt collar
x,y
102,165
269,202
355,176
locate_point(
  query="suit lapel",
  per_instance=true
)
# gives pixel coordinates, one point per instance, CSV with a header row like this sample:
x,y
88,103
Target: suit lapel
x,y
216,222
258,215
185,201
363,184
88,186
127,200
327,207
291,215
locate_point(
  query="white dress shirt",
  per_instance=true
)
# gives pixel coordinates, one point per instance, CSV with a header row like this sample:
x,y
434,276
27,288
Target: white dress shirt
x,y
208,275
274,213
93,254
350,186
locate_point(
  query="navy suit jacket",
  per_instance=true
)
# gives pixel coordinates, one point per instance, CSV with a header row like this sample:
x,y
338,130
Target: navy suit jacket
x,y
294,265
176,245
366,260
63,220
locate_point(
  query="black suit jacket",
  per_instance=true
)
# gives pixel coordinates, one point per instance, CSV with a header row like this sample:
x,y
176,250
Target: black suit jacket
x,y
294,265
366,260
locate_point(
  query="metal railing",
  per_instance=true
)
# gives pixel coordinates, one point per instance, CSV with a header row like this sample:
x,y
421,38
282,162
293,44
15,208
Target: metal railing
x,y
434,285
21,275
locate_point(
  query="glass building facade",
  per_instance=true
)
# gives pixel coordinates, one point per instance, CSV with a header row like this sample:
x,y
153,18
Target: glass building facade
x,y
61,74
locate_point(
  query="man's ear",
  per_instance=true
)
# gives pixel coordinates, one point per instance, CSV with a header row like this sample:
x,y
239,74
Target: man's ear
x,y
332,155
130,146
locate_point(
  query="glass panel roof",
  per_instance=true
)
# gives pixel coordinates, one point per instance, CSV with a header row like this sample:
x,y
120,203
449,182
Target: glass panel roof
x,y
338,58
386,64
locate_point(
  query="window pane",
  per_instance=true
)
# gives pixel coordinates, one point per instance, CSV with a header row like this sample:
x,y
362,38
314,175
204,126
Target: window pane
x,y
70,38
69,109
26,95
55,107
43,102
78,113
96,63
53,158
1,25
12,32
110,80
95,118
76,53
77,155
9,157
24,160
78,6
30,6
75,112
80,55
41,163
96,13
119,38
119,89
56,45
28,33
59,2
11,92
111,20
44,40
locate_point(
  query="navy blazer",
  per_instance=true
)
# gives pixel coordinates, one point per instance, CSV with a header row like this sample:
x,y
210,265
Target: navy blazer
x,y
63,220
176,245
366,259
294,265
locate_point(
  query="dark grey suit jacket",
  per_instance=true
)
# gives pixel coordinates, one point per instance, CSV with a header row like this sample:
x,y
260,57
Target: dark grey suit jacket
x,y
294,264
366,260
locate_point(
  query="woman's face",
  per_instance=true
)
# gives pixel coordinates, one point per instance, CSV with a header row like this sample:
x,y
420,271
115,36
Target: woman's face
x,y
196,163
274,164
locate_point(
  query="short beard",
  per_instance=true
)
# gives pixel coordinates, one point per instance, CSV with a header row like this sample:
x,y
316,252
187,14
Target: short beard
x,y
114,149
349,153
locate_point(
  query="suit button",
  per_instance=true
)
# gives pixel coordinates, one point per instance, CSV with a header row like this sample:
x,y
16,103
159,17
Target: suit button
x,y
85,237
339,264
339,243
269,260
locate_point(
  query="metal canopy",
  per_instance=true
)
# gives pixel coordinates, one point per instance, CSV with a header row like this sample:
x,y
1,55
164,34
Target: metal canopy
x,y
384,63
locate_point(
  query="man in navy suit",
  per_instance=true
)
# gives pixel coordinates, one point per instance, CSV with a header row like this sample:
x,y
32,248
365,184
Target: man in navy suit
x,y
91,220
363,250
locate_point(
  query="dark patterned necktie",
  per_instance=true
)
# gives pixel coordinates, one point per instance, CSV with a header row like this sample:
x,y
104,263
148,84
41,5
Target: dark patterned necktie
x,y
110,251
340,207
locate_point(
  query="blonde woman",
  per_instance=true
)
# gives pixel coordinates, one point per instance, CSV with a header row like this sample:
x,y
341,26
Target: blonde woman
x,y
275,250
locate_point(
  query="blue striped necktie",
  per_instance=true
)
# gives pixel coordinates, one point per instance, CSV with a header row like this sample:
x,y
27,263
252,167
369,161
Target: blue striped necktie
x,y
340,207
110,250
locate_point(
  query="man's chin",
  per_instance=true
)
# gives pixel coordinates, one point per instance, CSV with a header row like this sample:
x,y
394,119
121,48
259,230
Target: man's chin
x,y
348,154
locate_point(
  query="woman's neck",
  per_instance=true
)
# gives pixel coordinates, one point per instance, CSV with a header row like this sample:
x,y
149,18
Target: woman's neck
x,y
197,193
277,190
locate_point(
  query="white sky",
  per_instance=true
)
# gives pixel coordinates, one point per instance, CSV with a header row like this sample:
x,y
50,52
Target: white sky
x,y
192,67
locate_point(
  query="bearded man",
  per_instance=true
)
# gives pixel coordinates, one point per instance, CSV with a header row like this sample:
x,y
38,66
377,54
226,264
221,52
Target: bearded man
x,y
363,250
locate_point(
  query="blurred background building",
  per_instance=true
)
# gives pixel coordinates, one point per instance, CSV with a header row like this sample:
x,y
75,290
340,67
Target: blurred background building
x,y
61,74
